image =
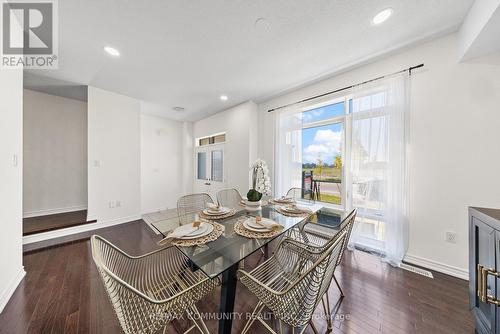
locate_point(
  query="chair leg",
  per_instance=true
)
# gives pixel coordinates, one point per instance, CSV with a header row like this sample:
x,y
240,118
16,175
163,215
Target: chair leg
x,y
185,332
256,312
328,304
326,309
331,312
338,286
312,326
196,318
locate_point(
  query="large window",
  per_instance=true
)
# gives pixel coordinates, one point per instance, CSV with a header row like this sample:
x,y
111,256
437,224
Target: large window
x,y
352,151
324,150
323,145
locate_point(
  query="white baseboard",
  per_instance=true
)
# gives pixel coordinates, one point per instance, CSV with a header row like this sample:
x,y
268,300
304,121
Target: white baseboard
x,y
437,266
153,210
47,212
28,239
10,288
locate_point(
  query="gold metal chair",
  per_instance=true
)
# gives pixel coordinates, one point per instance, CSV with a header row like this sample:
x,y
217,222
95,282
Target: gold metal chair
x,y
189,205
149,291
292,282
229,198
319,237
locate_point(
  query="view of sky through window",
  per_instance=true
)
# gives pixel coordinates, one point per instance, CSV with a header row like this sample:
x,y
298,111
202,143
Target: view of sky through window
x,y
323,113
322,143
322,151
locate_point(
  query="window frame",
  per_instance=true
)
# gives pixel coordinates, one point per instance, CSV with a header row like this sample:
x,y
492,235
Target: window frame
x,y
345,201
198,139
347,186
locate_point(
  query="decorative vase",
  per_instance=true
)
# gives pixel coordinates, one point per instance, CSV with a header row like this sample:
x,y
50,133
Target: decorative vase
x,y
253,205
261,184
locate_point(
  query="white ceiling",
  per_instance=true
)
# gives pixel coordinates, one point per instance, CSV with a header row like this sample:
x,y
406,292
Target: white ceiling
x,y
188,53
480,30
55,87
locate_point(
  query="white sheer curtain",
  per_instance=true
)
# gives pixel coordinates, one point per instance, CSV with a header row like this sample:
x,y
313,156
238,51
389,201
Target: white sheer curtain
x,y
379,166
288,150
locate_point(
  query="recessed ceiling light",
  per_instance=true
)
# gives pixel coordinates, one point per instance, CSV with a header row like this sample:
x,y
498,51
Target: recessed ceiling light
x,y
223,97
112,51
261,24
382,16
179,109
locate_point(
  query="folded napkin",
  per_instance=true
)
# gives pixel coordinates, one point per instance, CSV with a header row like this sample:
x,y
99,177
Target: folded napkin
x,y
297,208
177,234
268,223
213,206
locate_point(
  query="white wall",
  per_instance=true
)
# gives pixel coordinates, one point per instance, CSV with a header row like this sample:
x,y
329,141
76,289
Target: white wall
x,y
11,164
55,154
187,147
240,125
455,150
161,163
114,191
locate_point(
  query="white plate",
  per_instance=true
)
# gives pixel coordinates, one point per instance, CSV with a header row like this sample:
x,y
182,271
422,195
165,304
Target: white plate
x,y
215,212
288,209
259,230
204,230
283,200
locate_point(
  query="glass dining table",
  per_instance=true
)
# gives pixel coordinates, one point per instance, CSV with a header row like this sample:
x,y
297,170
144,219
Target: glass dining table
x,y
223,255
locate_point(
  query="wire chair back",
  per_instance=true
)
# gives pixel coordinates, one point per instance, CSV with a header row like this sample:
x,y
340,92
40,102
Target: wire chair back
x,y
146,292
191,204
229,198
293,281
319,241
348,228
295,193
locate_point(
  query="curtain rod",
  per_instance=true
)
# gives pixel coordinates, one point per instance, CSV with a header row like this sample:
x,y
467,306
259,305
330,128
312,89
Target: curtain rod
x,y
409,69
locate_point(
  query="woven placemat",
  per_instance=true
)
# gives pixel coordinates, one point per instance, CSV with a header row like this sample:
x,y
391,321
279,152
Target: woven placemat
x,y
217,232
217,217
304,213
241,230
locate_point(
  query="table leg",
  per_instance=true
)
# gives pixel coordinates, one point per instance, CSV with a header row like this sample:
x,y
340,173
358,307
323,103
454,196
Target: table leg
x,y
227,295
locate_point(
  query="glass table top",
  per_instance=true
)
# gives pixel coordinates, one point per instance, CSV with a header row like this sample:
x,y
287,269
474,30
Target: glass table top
x,y
230,248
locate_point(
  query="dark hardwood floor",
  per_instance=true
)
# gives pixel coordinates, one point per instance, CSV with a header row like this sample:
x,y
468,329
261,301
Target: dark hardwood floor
x,y
46,223
62,293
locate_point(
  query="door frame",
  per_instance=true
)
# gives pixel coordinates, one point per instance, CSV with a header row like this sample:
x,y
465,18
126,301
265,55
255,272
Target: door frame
x,y
208,149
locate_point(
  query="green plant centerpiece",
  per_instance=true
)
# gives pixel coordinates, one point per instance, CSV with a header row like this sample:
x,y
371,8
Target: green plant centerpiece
x,y
261,185
254,196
